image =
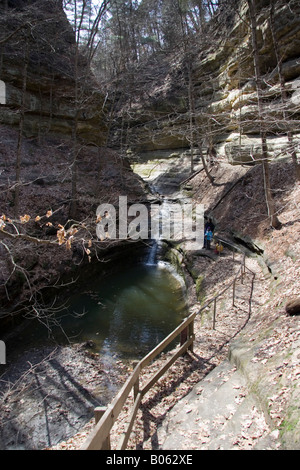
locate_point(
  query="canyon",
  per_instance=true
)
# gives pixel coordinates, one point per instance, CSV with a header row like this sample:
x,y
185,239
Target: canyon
x,y
70,143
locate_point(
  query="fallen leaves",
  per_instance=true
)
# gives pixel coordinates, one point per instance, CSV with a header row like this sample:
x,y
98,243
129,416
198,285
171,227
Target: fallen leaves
x,y
279,346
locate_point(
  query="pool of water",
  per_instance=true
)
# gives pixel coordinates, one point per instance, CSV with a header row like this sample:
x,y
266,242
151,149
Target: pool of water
x,y
124,315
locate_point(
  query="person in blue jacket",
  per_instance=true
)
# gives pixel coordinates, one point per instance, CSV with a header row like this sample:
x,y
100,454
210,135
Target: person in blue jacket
x,y
208,236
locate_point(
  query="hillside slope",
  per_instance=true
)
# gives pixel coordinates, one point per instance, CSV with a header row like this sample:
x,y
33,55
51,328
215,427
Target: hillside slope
x,y
264,347
53,157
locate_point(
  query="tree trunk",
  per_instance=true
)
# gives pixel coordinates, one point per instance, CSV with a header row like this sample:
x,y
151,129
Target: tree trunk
x,y
266,173
211,179
193,120
20,135
283,92
190,90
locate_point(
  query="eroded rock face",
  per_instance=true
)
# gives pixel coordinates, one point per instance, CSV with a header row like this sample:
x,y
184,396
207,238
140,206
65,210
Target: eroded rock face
x,y
43,123
42,75
224,89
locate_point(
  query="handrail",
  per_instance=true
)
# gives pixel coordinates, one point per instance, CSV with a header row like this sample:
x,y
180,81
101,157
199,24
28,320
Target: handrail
x,y
99,437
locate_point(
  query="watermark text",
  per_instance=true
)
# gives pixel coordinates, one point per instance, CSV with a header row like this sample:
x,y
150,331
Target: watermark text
x,y
178,221
2,92
2,352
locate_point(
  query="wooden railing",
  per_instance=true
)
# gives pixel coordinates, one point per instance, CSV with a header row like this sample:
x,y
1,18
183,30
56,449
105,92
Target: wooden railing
x,y
99,439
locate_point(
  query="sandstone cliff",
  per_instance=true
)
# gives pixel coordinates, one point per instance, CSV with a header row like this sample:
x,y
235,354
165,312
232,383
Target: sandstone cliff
x,y
52,148
40,71
223,86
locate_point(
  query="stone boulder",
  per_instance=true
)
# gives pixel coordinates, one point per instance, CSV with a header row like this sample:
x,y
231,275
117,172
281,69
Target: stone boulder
x,y
293,306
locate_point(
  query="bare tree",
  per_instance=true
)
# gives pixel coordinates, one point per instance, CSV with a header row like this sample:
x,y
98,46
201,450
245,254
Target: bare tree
x,y
283,91
262,125
21,130
81,9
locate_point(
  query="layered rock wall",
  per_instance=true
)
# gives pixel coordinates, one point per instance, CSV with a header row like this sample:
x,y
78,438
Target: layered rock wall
x,y
45,78
52,148
224,88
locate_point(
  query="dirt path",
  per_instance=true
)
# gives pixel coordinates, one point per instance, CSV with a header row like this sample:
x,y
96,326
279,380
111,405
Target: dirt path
x,y
273,335
277,332
210,349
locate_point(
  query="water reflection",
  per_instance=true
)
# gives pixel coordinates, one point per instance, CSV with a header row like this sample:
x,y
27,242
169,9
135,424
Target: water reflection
x,y
124,315
130,313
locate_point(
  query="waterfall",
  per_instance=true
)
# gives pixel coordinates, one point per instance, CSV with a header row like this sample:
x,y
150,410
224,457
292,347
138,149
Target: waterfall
x,y
151,260
161,214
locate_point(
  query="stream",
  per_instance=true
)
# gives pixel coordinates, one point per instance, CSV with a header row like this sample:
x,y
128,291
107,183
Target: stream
x,y
123,316
49,389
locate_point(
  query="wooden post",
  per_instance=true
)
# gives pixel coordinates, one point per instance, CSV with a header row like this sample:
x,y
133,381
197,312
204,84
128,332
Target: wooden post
x,y
233,293
98,413
191,334
183,336
136,388
214,317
